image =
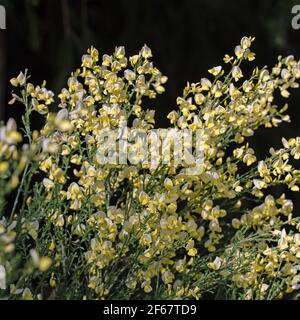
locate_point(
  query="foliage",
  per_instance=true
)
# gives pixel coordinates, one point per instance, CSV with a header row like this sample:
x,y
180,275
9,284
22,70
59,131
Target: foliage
x,y
78,229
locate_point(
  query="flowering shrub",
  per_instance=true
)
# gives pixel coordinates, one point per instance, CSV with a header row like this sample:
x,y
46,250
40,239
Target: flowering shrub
x,y
74,228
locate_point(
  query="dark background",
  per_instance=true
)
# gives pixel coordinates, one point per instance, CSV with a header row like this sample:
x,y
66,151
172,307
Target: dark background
x,y
187,38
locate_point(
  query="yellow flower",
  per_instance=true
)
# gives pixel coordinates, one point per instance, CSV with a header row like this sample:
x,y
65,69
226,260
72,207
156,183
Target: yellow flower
x,y
215,71
60,221
144,198
147,286
167,277
58,175
283,242
146,52
48,184
27,295
245,43
236,223
129,75
216,264
237,73
44,263
52,245
4,166
39,107
19,81
259,184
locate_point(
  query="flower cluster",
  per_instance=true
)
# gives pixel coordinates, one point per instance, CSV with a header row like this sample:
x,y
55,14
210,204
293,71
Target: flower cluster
x,y
80,228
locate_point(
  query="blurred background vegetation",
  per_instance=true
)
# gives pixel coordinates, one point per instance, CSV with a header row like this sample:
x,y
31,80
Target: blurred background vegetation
x,y
187,37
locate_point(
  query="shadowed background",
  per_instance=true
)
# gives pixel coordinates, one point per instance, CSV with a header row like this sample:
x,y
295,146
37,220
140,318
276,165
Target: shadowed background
x,y
187,37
